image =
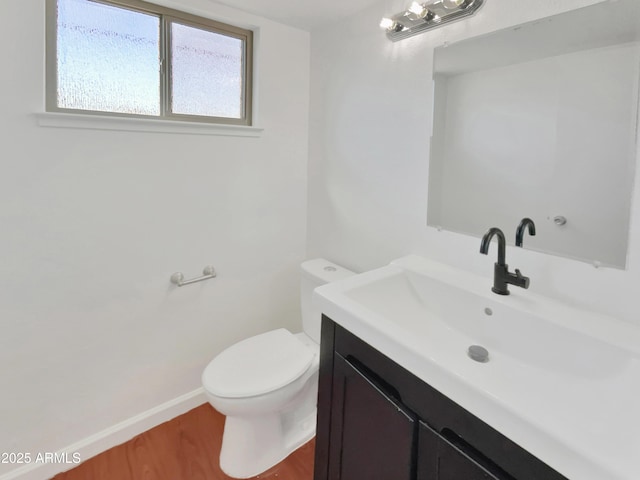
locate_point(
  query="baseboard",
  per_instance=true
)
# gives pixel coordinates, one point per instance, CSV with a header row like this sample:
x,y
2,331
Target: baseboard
x,y
110,437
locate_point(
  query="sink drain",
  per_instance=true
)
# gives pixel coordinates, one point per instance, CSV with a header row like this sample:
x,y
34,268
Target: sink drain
x,y
478,353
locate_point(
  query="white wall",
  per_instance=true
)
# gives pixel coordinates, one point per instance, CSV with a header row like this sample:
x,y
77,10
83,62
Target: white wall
x,y
94,222
371,104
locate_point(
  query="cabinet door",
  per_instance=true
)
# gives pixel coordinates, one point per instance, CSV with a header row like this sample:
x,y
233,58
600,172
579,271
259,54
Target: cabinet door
x,y
372,436
442,459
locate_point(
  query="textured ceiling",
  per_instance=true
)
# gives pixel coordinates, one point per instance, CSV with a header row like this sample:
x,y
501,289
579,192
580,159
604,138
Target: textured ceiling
x,y
304,14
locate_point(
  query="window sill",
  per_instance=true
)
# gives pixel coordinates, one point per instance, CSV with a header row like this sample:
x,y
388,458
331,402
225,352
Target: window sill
x,y
124,124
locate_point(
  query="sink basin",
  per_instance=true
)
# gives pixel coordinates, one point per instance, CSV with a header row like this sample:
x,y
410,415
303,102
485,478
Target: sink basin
x,y
459,317
560,381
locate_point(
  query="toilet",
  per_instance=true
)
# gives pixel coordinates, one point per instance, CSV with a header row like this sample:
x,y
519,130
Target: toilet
x,y
267,385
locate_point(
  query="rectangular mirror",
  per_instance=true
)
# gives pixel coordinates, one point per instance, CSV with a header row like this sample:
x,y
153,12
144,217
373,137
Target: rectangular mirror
x,y
541,121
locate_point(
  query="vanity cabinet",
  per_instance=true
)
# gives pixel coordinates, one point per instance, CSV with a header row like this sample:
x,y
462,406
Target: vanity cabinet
x,y
377,421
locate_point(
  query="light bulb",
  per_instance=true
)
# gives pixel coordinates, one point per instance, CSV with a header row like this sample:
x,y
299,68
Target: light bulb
x,y
453,4
420,10
388,23
417,9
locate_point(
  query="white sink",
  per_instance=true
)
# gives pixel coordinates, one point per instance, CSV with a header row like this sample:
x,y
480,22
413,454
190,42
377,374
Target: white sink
x,y
562,382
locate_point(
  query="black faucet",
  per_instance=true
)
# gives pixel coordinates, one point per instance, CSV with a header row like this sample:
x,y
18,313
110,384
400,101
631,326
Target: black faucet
x,y
502,277
525,222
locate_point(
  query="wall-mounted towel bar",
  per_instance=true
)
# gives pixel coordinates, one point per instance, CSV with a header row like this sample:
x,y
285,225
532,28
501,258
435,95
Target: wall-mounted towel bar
x,y
178,278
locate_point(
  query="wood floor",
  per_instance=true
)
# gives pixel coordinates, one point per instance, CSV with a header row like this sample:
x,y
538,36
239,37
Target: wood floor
x,y
185,448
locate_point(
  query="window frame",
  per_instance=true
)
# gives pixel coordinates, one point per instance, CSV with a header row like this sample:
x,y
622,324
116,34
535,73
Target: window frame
x,y
167,16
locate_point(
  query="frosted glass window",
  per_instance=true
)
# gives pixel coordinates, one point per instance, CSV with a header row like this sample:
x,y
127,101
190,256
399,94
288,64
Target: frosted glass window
x,y
107,59
206,72
134,58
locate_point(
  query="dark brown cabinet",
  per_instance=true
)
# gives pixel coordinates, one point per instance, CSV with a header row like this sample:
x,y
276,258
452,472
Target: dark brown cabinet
x,y
372,435
377,421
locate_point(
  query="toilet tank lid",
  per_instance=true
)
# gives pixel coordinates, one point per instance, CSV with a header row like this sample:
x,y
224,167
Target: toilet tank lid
x,y
257,365
323,271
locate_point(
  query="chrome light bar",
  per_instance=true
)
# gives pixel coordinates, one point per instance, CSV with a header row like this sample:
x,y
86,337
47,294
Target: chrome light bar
x,y
420,17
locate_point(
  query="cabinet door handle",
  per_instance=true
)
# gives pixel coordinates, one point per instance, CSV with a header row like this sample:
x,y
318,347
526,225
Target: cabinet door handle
x,y
460,444
385,387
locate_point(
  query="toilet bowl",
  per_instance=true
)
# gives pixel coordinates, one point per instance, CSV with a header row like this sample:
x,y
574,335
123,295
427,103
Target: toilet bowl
x,y
267,386
270,411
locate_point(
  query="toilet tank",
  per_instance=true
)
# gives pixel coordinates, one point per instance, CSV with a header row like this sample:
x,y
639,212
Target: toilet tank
x,y
313,274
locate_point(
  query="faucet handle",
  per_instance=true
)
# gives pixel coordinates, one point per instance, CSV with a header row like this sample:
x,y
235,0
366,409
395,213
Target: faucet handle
x,y
523,281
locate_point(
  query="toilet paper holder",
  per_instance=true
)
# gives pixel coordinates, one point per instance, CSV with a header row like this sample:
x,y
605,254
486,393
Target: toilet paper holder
x,y
178,278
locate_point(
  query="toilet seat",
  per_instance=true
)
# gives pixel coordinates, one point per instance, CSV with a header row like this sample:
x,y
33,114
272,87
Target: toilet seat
x,y
257,365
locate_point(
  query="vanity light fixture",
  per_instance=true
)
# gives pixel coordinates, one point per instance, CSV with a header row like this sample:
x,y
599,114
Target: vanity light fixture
x,y
420,17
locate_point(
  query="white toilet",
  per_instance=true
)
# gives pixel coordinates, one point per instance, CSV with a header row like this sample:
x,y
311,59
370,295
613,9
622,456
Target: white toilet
x,y
267,386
